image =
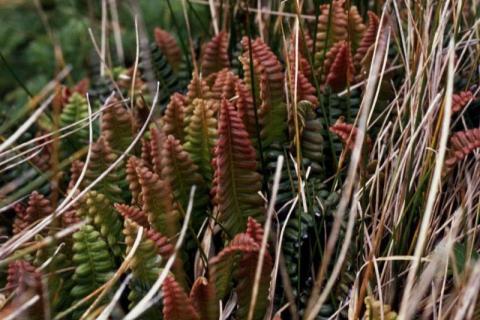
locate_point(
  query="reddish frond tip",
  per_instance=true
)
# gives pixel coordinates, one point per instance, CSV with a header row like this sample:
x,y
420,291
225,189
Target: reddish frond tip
x,y
38,207
176,303
157,138
461,99
368,38
132,177
347,133
254,230
215,54
75,172
133,213
162,243
462,143
169,47
173,120
339,66
224,85
21,273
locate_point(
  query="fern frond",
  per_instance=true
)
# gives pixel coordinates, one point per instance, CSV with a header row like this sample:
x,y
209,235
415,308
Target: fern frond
x,y
461,99
157,138
176,303
168,45
145,267
332,27
368,38
101,158
75,171
132,213
347,133
356,27
117,125
99,212
312,142
236,182
224,85
181,173
305,90
245,108
202,296
163,73
38,207
197,89
93,263
26,281
158,203
269,86
462,143
146,152
75,110
215,54
339,68
173,120
201,137
131,174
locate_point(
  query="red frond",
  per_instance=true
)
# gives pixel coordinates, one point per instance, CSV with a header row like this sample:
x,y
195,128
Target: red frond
x,y
18,273
38,207
215,54
162,244
173,120
146,152
368,38
224,85
157,138
197,88
462,143
236,181
254,230
158,202
117,125
176,303
269,88
305,89
245,108
347,133
75,171
461,99
203,299
133,213
26,281
339,66
70,218
169,47
331,28
133,183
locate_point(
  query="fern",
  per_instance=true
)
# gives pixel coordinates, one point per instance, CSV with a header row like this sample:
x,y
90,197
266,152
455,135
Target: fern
x,y
169,47
215,54
99,212
93,263
38,207
145,267
181,173
102,158
75,110
117,125
201,136
236,182
173,120
268,81
176,303
158,203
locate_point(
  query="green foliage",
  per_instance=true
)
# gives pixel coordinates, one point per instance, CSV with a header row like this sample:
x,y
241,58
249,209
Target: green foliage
x,y
74,111
93,262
